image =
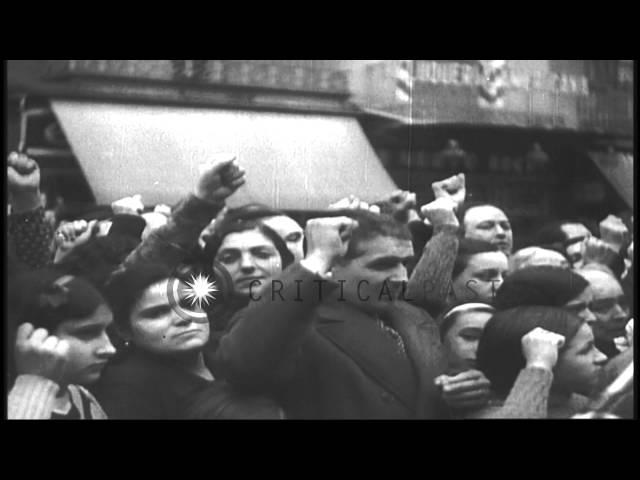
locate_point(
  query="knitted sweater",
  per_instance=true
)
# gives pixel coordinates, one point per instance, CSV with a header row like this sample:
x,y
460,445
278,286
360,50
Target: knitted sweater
x,y
31,235
430,281
530,398
34,398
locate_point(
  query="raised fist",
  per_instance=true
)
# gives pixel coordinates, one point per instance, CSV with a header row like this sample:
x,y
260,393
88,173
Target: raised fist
x,y
614,232
401,205
219,180
71,235
39,354
128,206
540,348
23,174
453,187
353,203
328,239
440,212
163,209
595,250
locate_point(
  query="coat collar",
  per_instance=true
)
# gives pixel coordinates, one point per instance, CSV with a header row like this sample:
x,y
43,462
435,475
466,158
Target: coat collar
x,y
409,377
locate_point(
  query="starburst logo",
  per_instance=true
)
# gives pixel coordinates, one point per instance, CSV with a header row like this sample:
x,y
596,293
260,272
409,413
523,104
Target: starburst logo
x,y
200,291
191,295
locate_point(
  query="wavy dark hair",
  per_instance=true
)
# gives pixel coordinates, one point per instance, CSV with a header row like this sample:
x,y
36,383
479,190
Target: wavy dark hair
x,y
468,247
214,242
539,285
500,354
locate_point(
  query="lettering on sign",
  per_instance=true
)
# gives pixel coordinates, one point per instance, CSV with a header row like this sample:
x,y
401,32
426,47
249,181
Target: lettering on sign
x,y
493,75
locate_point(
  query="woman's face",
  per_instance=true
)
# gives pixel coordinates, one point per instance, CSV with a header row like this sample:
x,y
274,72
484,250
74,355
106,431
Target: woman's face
x,y
482,277
156,325
579,367
89,346
461,340
580,305
251,260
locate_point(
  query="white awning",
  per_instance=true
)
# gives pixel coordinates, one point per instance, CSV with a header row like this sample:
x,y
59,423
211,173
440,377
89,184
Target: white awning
x,y
617,168
293,161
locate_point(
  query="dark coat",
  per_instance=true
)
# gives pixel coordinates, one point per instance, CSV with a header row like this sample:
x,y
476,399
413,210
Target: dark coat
x,y
331,360
145,386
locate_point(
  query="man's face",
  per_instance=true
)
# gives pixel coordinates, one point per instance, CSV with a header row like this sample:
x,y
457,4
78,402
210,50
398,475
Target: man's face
x,y
156,326
482,278
251,260
375,277
290,232
579,366
575,233
609,305
461,340
490,224
90,347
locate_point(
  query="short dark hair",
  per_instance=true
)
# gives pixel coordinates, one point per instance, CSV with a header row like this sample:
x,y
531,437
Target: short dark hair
x,y
372,225
99,257
214,242
47,297
500,355
539,285
552,236
125,287
468,247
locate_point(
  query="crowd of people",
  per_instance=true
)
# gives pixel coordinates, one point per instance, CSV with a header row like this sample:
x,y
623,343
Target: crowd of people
x,y
373,311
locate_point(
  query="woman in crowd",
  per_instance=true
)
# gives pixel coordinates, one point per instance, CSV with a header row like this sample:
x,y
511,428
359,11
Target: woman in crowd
x,y
252,254
541,362
60,324
478,272
460,330
161,373
548,286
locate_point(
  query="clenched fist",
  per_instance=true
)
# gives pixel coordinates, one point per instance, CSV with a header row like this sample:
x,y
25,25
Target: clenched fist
x,y
219,181
23,179
401,205
128,206
614,232
595,250
71,235
540,348
327,240
440,212
39,354
353,203
453,187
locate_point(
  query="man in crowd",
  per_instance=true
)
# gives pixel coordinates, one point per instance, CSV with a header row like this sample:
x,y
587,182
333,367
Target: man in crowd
x,y
489,223
609,306
349,348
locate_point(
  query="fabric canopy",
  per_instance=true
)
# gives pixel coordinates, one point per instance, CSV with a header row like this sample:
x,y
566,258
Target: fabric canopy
x,y
293,161
617,168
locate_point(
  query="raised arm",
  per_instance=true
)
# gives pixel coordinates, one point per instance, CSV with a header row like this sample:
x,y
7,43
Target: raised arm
x,y
171,243
430,280
31,234
262,347
529,396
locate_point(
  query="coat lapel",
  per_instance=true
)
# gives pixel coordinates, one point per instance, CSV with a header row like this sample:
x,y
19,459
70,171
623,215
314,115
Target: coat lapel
x,y
357,334
422,342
